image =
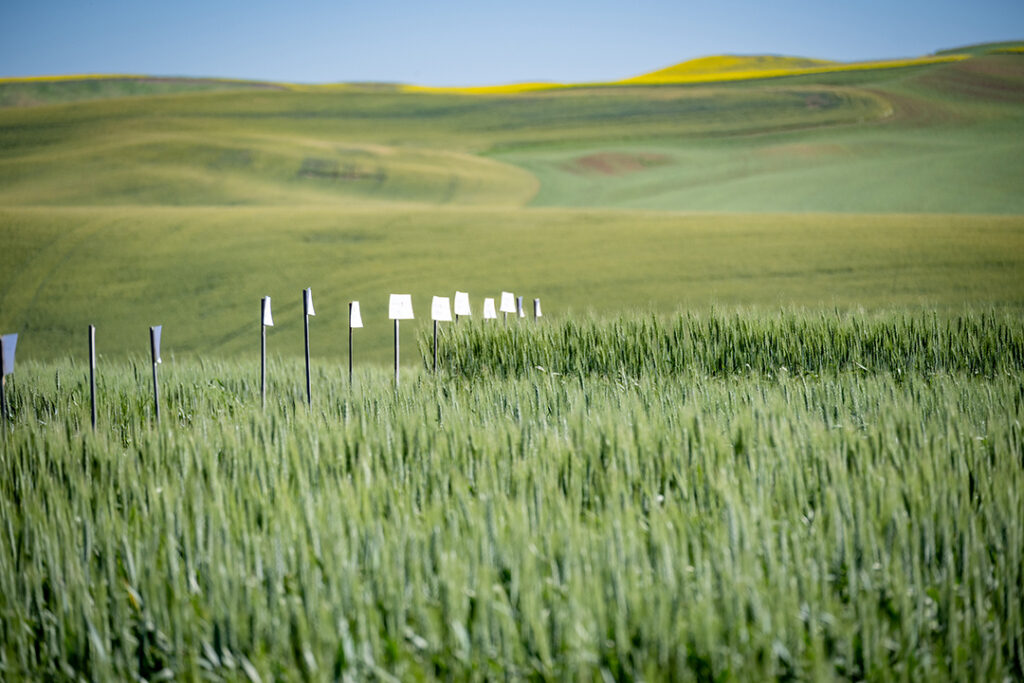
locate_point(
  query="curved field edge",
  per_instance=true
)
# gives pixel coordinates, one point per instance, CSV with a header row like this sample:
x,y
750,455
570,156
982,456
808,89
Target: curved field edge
x,y
942,138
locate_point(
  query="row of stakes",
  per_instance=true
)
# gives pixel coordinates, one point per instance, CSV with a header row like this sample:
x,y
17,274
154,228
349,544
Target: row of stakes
x,y
399,308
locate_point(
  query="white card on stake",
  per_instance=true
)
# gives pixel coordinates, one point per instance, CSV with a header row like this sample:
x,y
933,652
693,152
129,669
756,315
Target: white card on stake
x,y
307,301
536,309
156,341
489,309
519,307
462,304
10,341
354,318
400,307
268,319
508,303
441,309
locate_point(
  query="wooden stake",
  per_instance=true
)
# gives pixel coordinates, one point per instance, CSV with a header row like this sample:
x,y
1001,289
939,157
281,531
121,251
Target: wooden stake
x,y
435,347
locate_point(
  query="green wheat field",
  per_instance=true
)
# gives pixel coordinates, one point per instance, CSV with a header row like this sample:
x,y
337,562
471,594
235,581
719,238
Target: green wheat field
x,y
768,429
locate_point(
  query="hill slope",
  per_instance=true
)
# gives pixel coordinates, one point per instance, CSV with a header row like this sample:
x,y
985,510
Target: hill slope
x,y
938,138
856,188
721,68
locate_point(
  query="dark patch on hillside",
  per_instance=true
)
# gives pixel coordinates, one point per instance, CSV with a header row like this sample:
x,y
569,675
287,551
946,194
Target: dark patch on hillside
x,y
341,237
331,169
232,158
998,78
616,163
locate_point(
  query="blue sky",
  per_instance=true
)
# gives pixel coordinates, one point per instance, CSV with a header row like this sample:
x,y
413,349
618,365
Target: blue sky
x,y
465,42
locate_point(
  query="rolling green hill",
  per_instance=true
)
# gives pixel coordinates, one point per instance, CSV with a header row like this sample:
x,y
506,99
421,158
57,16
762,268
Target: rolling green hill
x,y
875,188
31,92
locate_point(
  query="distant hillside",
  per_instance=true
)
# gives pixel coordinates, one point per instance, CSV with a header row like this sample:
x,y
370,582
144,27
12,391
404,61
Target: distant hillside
x,y
858,140
720,65
985,49
742,68
840,188
44,90
729,68
29,92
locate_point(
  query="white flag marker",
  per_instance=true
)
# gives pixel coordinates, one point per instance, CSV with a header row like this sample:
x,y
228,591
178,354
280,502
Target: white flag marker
x,y
508,305
440,309
8,342
156,343
462,304
268,319
519,307
307,301
354,317
400,307
536,309
489,312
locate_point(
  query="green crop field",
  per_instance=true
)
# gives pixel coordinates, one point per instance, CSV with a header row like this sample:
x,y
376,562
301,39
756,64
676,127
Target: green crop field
x,y
730,497
769,427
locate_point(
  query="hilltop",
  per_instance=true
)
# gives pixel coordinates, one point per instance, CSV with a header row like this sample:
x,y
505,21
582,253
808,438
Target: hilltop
x,y
724,65
723,68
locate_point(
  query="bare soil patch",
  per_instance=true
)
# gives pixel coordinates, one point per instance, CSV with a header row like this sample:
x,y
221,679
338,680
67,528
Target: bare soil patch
x,y
616,163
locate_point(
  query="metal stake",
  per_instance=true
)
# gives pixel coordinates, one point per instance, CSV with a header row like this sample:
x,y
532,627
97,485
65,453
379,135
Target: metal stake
x,y
263,357
156,392
92,373
3,385
305,320
396,353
